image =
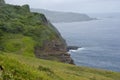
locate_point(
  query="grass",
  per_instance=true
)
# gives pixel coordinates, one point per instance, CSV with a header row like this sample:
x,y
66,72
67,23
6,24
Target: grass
x,y
19,44
18,67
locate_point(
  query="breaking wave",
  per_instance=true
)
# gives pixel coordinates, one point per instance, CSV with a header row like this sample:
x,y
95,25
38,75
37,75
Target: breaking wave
x,y
79,49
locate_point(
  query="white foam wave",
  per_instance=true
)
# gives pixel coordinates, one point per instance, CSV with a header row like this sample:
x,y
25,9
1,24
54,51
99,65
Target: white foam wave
x,y
79,49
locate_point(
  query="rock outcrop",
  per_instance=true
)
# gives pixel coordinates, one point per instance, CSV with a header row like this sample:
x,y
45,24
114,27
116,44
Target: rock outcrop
x,y
54,50
72,48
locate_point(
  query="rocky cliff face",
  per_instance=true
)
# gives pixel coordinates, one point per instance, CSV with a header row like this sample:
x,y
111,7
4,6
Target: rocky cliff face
x,y
25,33
55,49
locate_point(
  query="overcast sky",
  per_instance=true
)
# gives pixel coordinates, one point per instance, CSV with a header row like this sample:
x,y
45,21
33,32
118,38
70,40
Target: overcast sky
x,y
83,6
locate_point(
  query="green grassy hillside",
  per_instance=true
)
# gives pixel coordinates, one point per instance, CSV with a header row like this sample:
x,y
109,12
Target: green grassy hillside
x,y
18,67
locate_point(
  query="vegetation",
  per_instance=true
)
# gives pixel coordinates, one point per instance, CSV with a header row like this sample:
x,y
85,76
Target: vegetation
x,y
20,32
18,43
19,67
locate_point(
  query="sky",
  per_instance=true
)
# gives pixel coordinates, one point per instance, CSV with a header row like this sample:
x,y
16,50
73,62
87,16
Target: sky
x,y
82,6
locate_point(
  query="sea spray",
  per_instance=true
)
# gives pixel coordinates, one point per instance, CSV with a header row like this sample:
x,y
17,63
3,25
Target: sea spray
x,y
75,51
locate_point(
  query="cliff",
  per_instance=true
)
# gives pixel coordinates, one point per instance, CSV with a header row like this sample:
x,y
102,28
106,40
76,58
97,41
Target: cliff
x,y
56,16
30,34
25,36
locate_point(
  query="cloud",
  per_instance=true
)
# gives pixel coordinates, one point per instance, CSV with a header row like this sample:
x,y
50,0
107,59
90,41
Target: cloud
x,y
72,5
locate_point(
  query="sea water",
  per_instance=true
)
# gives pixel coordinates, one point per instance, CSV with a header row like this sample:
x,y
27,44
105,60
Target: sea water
x,y
99,41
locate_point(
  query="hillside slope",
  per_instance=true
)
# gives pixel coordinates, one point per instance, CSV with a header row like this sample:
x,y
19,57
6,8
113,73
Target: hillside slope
x,y
18,67
30,34
56,16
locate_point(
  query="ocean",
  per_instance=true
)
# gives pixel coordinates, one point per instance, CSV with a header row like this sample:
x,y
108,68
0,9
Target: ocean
x,y
99,41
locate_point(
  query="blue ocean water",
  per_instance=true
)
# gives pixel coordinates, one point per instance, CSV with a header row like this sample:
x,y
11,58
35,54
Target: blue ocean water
x,y
99,39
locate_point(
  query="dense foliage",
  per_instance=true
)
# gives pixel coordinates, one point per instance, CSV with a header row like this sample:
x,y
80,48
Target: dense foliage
x,y
21,30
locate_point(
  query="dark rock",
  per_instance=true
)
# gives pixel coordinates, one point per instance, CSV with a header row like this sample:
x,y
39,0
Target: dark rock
x,y
72,47
1,68
54,50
